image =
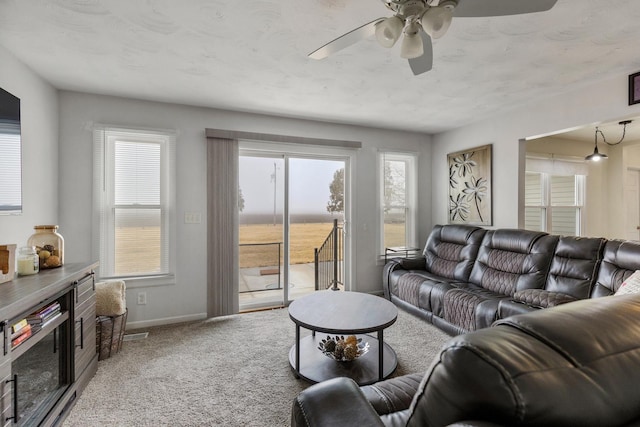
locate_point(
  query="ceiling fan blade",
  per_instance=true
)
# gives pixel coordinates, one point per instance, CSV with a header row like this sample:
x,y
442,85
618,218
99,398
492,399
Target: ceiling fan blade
x,y
475,8
423,63
346,40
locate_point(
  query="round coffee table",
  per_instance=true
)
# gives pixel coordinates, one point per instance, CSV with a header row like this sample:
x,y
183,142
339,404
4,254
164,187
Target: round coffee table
x,y
342,313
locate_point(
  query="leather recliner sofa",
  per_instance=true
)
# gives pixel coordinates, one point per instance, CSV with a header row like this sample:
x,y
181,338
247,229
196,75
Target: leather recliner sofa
x,y
571,365
470,277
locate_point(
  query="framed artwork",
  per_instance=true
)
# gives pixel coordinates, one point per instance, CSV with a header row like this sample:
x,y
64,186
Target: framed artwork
x,y
470,186
634,88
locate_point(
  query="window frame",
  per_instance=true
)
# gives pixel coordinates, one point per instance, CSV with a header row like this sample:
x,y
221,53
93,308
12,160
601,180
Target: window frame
x,y
546,207
105,140
411,197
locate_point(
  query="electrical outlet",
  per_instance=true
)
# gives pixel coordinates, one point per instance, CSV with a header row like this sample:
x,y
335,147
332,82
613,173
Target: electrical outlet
x,y
142,298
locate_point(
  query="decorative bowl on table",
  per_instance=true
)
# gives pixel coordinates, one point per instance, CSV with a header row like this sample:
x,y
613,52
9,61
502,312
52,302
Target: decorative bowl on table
x,y
343,349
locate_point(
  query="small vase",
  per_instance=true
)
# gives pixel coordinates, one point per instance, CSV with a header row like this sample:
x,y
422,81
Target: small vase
x,y
49,246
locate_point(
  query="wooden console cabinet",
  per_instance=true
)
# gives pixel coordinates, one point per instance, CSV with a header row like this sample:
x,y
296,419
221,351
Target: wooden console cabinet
x,y
72,334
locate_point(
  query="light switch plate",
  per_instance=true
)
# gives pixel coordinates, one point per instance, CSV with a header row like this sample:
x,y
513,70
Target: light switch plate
x,y
192,217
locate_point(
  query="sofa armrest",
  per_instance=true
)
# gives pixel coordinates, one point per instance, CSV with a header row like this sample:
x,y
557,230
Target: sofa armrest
x,y
473,423
411,263
335,402
399,264
394,394
541,298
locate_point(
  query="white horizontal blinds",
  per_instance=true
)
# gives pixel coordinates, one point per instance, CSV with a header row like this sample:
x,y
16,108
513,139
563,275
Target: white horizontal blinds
x,y
555,166
554,194
138,208
564,211
132,194
533,199
10,175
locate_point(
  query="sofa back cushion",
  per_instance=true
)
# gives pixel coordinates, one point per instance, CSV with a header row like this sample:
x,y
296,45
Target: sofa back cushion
x,y
513,260
571,365
574,266
452,249
620,260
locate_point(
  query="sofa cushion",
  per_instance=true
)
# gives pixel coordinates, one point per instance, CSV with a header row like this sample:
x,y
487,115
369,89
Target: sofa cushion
x,y
509,307
452,249
471,307
574,266
512,260
416,287
541,298
573,364
620,260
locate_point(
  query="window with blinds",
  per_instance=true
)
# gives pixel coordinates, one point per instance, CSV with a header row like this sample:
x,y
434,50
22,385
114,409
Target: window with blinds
x,y
554,203
397,189
10,169
134,202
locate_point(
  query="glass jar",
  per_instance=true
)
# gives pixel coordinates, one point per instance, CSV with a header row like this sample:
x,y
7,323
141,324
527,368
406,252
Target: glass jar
x,y
28,261
49,246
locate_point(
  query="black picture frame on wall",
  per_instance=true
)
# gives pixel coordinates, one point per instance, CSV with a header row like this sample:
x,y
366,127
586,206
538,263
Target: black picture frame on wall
x,y
634,88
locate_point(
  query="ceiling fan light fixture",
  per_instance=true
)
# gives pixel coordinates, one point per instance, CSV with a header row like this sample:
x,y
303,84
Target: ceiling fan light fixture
x,y
437,20
412,46
388,31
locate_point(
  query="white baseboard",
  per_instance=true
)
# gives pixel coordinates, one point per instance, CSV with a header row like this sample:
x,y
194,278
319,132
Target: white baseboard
x,y
165,321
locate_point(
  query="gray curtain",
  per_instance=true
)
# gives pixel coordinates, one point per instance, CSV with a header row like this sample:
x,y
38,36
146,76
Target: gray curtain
x,y
222,226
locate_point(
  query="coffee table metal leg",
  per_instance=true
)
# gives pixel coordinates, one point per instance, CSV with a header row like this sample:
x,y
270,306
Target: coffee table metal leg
x,y
298,351
380,357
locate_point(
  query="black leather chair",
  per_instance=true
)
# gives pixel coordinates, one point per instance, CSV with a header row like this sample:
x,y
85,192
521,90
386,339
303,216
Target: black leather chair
x,y
576,364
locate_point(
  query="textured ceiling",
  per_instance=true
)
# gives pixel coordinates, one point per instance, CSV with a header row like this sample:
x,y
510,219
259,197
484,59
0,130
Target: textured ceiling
x,y
251,55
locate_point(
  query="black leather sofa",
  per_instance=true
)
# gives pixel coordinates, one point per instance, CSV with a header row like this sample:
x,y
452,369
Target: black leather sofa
x,y
571,365
470,277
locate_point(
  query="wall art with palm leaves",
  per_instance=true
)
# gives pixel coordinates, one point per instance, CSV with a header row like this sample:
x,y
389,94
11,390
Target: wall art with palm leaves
x,y
470,186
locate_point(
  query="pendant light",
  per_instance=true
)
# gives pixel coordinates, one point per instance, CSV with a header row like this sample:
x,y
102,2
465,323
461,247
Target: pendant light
x,y
597,156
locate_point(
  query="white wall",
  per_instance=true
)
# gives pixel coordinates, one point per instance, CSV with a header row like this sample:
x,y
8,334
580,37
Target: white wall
x,y
39,116
601,102
186,299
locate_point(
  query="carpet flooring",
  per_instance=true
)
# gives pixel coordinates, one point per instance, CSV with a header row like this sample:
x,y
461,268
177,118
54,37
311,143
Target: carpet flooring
x,y
227,371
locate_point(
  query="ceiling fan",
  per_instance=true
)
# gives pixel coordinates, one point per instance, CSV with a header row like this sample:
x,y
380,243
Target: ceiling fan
x,y
422,20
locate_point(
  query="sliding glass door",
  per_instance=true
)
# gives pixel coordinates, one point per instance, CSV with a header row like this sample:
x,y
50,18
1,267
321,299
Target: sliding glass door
x,y
288,205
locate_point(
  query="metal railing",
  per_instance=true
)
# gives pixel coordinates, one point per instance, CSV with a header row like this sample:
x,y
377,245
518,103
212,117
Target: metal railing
x,y
269,271
328,259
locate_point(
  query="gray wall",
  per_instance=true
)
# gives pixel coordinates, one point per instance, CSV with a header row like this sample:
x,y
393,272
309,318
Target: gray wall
x,y
185,299
605,101
39,115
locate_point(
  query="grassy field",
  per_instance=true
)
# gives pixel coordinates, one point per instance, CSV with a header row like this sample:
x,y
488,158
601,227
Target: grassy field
x,y
137,250
136,247
304,238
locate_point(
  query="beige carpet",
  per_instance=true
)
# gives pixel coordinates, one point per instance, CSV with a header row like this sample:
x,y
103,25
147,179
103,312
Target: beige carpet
x,y
229,371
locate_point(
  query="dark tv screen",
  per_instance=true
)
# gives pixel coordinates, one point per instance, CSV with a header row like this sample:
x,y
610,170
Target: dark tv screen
x,y
10,154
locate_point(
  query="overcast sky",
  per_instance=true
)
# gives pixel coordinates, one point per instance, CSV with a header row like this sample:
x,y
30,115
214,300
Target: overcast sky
x,y
308,188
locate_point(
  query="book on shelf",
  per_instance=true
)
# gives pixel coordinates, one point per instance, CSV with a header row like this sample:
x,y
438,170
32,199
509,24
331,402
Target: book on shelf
x,y
21,331
22,338
45,314
16,327
41,321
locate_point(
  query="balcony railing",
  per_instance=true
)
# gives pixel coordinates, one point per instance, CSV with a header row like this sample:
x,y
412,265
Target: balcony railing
x,y
329,265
